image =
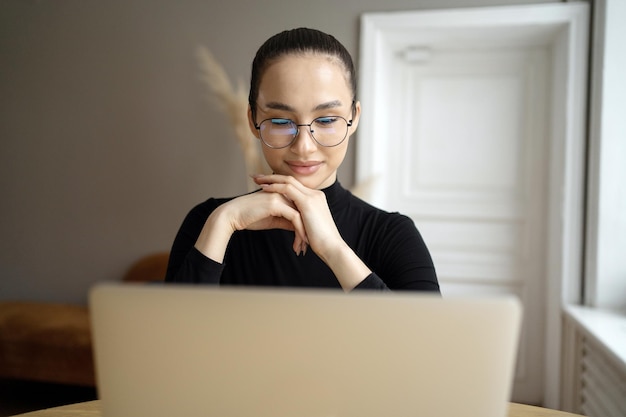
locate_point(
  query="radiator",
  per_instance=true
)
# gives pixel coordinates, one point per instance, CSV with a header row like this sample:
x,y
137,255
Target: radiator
x,y
594,369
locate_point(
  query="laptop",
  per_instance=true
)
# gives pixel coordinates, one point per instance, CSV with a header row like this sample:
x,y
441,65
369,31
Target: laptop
x,y
168,350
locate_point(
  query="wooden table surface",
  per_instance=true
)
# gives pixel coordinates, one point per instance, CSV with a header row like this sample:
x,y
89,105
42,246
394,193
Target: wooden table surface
x,y
93,409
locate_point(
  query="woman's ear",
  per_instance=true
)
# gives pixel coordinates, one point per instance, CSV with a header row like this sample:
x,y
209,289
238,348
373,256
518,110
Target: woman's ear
x,y
251,123
356,116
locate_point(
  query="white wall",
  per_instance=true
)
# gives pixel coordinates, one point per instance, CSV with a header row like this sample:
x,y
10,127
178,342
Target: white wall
x,y
606,226
106,138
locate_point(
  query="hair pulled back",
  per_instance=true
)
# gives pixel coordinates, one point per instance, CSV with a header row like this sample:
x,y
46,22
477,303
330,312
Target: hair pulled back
x,y
298,41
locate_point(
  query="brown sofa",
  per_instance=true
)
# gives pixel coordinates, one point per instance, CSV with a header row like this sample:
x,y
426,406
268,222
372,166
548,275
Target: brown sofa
x,y
51,342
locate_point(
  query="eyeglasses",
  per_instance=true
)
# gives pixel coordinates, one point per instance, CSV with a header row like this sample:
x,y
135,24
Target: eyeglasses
x,y
327,131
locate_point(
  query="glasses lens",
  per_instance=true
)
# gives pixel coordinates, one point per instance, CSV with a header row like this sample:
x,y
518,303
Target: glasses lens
x,y
329,130
278,133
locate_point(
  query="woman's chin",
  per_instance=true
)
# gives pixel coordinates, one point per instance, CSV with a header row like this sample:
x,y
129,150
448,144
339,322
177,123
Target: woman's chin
x,y
316,182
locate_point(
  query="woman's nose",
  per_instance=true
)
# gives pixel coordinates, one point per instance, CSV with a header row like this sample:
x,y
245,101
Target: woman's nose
x,y
304,142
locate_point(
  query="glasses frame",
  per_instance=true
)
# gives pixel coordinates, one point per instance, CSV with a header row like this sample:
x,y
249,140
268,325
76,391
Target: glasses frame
x,y
257,126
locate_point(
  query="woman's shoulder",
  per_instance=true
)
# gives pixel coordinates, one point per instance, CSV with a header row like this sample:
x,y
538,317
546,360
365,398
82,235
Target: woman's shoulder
x,y
369,211
358,203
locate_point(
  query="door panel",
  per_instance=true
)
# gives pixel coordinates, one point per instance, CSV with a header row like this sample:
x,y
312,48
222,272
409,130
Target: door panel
x,y
473,124
469,168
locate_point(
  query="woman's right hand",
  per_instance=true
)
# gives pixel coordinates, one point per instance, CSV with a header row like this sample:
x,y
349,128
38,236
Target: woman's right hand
x,y
255,211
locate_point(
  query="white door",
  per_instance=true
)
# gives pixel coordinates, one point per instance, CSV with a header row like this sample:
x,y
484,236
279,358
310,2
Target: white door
x,y
458,137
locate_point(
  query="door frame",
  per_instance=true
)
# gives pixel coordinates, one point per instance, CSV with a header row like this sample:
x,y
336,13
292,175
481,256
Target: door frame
x,y
568,124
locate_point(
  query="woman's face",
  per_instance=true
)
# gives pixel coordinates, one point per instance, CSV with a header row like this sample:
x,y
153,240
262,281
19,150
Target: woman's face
x,y
303,88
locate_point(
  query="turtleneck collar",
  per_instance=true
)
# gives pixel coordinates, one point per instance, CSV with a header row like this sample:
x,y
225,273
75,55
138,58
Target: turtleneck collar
x,y
336,196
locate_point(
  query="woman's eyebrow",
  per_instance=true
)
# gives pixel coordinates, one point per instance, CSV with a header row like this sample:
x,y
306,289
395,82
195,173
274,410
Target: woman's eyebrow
x,y
275,105
328,105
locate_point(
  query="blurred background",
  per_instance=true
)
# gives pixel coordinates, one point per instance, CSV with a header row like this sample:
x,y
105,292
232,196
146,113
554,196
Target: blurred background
x,y
107,138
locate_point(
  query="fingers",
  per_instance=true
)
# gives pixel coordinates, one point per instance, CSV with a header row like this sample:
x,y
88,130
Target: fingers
x,y
264,180
288,186
274,211
310,204
291,220
299,245
281,209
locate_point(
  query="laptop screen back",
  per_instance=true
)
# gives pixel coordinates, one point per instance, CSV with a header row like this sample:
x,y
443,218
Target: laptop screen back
x,y
205,351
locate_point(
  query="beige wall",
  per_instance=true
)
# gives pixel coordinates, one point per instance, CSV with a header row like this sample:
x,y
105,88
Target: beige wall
x,y
106,136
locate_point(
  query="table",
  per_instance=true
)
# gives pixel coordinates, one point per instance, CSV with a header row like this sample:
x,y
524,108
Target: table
x,y
92,409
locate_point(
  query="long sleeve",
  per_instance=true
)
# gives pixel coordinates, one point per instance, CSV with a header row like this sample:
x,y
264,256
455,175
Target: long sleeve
x,y
396,252
388,243
198,269
186,263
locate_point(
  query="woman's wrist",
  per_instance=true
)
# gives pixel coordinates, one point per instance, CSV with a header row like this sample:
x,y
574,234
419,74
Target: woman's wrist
x,y
349,269
215,235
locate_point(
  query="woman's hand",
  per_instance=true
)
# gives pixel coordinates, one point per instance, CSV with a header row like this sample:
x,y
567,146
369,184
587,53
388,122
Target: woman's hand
x,y
256,211
284,203
321,232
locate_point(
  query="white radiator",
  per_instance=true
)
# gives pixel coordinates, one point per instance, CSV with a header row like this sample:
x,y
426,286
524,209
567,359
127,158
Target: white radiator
x,y
594,363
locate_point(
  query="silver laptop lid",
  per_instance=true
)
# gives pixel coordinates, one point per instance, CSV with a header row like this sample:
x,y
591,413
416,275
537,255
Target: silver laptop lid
x,y
204,351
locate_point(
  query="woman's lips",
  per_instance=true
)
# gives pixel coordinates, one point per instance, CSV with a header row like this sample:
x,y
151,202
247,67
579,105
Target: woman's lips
x,y
304,168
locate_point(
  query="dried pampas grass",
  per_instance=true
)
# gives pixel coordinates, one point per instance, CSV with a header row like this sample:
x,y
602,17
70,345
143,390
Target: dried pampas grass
x,y
234,104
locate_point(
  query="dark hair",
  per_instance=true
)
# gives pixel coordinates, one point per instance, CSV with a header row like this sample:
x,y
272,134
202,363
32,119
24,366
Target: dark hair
x,y
298,41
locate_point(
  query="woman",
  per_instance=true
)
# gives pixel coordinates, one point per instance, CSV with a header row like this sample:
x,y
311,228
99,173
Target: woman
x,y
302,228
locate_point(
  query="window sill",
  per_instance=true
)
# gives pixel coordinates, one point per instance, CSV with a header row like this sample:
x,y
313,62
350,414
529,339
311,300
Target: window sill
x,y
607,328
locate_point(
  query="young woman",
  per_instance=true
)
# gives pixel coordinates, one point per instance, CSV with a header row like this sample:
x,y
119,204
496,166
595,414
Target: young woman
x,y
302,228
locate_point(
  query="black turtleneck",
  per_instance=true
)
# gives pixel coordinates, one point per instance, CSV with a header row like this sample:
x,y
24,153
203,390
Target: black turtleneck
x,y
388,243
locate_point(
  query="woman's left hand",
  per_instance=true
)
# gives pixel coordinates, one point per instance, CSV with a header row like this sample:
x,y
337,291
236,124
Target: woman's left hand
x,y
321,231
322,234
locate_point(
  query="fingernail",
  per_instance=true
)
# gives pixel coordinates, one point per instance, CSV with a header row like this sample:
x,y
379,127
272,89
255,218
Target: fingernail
x,y
257,175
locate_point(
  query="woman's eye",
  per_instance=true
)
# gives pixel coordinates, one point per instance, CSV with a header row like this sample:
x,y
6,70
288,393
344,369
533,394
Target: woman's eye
x,y
325,121
281,122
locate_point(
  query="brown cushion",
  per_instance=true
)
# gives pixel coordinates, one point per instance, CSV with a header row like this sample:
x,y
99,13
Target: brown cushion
x,y
149,268
46,342
52,342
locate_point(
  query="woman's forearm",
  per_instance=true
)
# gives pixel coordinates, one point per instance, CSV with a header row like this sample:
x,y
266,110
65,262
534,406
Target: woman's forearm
x,y
215,235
